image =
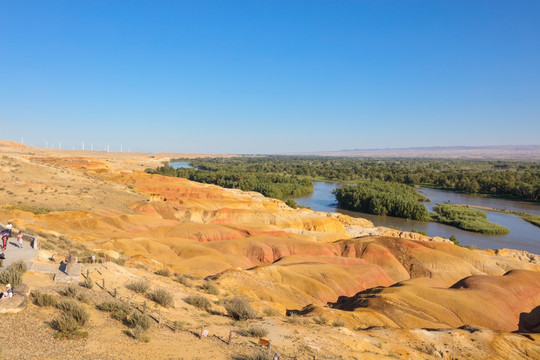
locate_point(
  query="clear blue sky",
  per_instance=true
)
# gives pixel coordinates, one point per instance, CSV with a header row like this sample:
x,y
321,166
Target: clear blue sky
x,y
269,76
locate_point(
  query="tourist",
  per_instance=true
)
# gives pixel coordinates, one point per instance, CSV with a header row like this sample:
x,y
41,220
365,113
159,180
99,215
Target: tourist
x,y
9,228
20,239
4,241
2,257
8,293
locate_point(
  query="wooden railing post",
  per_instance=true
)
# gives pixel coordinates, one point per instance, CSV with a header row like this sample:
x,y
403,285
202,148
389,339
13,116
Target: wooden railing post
x,y
144,307
103,284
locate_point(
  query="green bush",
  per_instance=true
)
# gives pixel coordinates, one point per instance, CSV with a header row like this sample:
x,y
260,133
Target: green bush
x,y
454,240
239,309
209,287
198,301
162,297
140,320
139,286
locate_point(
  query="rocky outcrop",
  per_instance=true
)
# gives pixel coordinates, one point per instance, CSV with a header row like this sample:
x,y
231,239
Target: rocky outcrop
x,y
18,302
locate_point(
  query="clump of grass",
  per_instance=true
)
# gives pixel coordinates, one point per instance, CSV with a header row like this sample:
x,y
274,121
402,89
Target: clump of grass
x,y
117,309
140,320
198,301
18,266
184,280
140,334
87,283
209,287
11,276
163,272
70,291
270,311
120,261
139,286
294,319
338,323
255,331
42,299
162,297
257,355
73,317
320,320
239,309
179,325
84,297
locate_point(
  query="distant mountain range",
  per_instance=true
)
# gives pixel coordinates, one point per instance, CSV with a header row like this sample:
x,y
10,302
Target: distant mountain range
x,y
497,152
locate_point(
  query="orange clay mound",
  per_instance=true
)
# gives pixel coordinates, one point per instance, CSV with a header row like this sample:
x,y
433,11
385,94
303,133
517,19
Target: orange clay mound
x,y
494,302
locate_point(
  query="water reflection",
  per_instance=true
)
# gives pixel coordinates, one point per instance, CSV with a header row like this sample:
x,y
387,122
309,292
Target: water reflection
x,y
522,236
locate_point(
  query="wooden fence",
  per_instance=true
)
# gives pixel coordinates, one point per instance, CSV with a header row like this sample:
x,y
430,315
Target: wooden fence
x,y
164,323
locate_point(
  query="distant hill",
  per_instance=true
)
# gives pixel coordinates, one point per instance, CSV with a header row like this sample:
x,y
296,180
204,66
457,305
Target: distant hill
x,y
499,152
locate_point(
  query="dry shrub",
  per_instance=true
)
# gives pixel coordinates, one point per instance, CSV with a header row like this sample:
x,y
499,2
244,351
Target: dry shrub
x,y
320,320
338,323
11,276
87,283
65,324
294,319
44,299
198,301
184,280
163,272
139,286
239,309
118,310
70,291
162,297
140,320
19,266
255,331
209,287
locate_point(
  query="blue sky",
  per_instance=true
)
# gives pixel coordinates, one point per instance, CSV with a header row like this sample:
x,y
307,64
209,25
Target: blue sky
x,y
269,76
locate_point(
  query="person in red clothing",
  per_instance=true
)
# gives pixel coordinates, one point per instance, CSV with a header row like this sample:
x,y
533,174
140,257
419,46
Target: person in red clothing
x,y
4,242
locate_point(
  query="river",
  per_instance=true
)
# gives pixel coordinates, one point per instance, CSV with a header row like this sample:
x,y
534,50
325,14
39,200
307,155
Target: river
x,y
522,236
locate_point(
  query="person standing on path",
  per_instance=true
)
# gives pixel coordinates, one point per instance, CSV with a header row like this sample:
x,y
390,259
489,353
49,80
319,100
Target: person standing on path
x,y
20,239
4,242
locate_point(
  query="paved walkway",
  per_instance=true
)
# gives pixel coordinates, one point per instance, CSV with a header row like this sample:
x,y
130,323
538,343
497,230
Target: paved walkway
x,y
13,253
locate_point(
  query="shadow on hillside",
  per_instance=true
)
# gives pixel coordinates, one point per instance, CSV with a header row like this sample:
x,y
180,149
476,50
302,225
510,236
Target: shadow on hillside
x,y
530,322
